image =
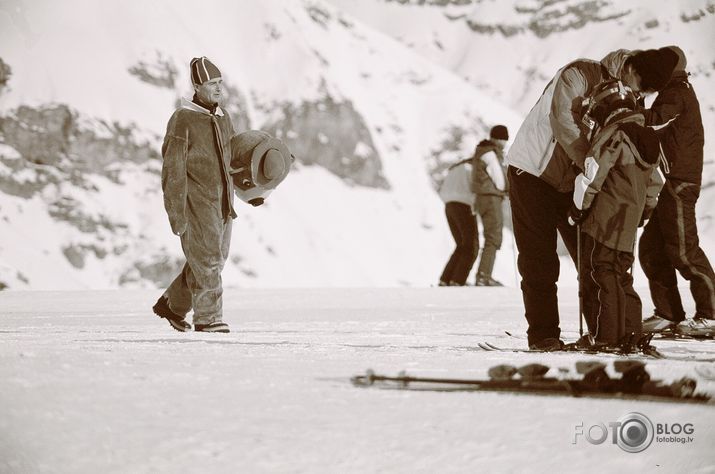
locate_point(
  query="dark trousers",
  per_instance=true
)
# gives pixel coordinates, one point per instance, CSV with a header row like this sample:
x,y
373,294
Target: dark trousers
x,y
611,306
463,226
490,212
538,212
670,242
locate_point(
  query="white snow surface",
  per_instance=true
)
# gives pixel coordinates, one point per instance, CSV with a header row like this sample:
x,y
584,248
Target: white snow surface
x,y
93,382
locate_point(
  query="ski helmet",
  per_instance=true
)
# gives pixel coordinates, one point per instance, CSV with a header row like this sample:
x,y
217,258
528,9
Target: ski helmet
x,y
605,99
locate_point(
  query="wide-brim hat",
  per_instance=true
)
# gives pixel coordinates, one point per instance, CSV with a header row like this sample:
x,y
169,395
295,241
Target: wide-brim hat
x,y
259,163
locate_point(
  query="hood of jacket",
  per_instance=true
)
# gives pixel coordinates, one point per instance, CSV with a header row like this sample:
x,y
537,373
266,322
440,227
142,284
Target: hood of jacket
x,y
189,105
614,61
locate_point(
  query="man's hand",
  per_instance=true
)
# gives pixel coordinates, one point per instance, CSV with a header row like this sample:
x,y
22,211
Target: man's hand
x,y
178,228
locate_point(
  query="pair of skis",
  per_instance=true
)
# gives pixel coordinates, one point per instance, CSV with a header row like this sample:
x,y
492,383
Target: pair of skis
x,y
634,382
648,352
639,347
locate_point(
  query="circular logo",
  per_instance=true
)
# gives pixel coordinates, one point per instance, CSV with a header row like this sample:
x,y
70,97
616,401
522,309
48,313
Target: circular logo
x,y
635,433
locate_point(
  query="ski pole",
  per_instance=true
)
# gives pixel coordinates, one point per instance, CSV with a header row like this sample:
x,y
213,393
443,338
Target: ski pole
x,y
578,278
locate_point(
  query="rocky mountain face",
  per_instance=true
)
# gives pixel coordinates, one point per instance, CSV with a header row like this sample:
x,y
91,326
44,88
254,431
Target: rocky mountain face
x,y
371,126
54,152
511,49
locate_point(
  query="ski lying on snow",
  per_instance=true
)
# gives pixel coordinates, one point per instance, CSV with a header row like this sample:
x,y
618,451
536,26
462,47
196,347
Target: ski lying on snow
x,y
634,383
650,352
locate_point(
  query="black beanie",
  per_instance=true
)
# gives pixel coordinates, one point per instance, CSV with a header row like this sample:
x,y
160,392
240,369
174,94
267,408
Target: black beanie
x,y
654,66
499,132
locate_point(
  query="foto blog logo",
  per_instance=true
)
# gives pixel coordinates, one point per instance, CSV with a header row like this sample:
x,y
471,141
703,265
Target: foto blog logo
x,y
634,432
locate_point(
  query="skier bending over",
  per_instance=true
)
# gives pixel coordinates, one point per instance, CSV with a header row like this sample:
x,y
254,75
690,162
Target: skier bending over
x,y
670,240
615,194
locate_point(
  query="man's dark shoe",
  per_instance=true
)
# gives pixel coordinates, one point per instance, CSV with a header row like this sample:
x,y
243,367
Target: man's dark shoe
x,y
161,309
549,344
216,326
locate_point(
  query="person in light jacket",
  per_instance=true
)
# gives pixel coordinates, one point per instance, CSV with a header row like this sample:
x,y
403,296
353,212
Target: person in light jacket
x,y
456,193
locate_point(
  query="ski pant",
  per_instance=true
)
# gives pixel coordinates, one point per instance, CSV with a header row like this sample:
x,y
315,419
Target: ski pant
x,y
463,226
205,244
611,306
539,211
489,208
670,242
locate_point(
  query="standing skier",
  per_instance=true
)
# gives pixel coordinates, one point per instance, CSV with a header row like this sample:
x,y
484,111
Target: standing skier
x,y
489,186
458,198
198,197
548,151
616,192
670,239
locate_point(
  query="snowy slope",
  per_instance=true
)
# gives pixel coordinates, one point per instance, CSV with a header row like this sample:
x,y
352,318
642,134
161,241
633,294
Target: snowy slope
x,y
277,56
93,383
511,49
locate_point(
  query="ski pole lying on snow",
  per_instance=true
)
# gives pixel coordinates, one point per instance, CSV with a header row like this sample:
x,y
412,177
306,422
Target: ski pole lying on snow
x,y
634,383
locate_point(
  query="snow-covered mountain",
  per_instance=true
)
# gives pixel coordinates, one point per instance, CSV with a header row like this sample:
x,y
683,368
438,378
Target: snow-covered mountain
x,y
374,97
510,49
87,89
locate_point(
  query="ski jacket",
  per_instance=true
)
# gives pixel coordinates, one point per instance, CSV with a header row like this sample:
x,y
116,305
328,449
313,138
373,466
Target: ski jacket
x,y
488,170
552,138
675,113
456,186
620,183
197,156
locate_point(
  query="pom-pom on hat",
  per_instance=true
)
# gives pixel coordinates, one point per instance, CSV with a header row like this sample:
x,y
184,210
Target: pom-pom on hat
x,y
654,66
203,70
499,132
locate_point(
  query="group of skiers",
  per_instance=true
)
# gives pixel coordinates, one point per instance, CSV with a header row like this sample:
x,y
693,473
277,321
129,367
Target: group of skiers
x,y
589,162
592,164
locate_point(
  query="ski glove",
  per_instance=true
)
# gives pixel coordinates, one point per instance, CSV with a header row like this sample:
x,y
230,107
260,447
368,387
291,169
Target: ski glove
x,y
576,215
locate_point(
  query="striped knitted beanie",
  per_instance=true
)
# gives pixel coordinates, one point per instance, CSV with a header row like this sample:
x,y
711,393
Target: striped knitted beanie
x,y
203,70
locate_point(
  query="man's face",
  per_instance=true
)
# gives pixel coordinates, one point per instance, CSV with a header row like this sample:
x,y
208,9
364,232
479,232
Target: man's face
x,y
631,78
210,91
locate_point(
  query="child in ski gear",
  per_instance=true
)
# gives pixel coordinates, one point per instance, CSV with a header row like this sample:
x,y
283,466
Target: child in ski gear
x,y
198,197
616,192
670,239
548,152
458,198
489,186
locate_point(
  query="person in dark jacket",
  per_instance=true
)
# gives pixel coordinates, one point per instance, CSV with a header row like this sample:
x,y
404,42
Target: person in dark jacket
x,y
547,153
670,239
489,186
198,197
458,198
617,191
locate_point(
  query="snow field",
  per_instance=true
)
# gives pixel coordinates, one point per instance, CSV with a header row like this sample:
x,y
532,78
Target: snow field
x,y
93,381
